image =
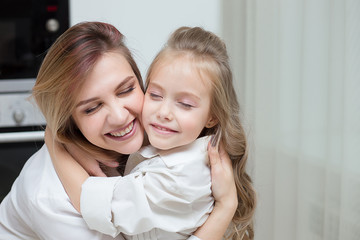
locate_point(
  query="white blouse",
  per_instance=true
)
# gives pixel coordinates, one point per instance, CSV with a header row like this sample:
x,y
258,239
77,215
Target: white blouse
x,y
38,207
166,196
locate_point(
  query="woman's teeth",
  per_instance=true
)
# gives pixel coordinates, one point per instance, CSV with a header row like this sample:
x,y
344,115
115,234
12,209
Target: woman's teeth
x,y
123,132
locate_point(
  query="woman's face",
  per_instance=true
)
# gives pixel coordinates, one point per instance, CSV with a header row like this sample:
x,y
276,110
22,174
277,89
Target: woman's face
x,y
109,105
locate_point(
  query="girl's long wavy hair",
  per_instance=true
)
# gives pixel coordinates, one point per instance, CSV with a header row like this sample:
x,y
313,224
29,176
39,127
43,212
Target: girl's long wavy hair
x,y
209,56
65,68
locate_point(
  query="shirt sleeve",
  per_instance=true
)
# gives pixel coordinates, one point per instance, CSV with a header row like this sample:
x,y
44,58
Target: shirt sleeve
x,y
145,200
192,237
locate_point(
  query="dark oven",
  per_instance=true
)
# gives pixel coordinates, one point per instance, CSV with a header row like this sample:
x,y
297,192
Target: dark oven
x,y
27,30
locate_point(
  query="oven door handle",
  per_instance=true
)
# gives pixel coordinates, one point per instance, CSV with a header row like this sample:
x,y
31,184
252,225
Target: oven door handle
x,y
21,137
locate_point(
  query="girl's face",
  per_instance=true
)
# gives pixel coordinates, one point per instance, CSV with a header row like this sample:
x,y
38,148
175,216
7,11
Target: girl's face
x,y
109,104
176,105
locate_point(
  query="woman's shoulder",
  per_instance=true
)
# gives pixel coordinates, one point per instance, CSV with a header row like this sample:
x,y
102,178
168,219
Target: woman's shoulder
x,y
38,180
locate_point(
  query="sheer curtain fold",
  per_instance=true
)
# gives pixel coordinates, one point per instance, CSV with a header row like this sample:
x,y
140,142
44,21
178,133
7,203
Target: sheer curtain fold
x,y
300,90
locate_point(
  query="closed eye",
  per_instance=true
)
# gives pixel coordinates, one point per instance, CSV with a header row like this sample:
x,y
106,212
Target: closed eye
x,y
155,96
92,109
185,105
128,90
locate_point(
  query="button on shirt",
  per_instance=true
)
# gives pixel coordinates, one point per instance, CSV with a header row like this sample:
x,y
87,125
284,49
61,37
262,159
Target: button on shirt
x,y
167,195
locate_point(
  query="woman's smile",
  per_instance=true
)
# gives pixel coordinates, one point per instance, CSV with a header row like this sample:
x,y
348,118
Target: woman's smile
x,y
110,103
121,133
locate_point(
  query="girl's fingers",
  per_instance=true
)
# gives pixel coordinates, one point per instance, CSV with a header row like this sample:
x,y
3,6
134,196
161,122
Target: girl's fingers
x,y
95,170
110,164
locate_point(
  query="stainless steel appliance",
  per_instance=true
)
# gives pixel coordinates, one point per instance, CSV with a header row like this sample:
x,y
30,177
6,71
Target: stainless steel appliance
x,y
27,30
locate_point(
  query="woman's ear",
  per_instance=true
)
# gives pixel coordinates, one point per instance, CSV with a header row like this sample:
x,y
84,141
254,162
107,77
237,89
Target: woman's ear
x,y
211,122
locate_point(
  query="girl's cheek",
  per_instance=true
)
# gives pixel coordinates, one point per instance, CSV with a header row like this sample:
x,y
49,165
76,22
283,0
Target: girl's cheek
x,y
140,101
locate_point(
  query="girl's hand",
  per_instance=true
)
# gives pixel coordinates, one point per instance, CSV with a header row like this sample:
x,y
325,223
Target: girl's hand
x,y
224,192
91,162
86,160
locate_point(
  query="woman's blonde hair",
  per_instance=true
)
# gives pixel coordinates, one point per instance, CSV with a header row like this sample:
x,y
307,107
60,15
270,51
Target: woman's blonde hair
x,y
65,68
209,56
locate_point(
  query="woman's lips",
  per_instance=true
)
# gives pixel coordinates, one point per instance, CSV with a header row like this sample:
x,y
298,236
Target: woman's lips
x,y
124,133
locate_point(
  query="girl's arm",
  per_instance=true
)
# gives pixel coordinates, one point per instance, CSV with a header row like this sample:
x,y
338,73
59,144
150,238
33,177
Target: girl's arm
x,y
73,169
224,192
70,172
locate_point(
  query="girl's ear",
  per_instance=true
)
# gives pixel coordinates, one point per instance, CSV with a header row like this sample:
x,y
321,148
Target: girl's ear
x,y
211,122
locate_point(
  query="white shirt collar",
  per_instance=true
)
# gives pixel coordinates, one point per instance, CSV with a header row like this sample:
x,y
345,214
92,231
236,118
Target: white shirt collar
x,y
177,155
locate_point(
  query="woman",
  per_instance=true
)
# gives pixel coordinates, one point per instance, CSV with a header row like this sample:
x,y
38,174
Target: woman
x,y
37,206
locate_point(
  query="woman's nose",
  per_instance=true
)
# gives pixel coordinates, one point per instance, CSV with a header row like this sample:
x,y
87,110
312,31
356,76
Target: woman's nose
x,y
117,115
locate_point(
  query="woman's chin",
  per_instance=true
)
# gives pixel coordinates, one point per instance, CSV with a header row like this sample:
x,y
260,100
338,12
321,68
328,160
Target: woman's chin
x,y
133,145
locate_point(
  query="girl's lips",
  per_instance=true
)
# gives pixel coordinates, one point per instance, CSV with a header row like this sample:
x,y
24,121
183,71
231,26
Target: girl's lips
x,y
162,129
124,133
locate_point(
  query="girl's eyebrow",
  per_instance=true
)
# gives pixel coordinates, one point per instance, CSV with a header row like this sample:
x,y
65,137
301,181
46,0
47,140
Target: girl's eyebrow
x,y
125,81
181,93
155,85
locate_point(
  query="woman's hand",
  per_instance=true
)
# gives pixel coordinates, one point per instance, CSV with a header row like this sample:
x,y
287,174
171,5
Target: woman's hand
x,y
224,192
222,177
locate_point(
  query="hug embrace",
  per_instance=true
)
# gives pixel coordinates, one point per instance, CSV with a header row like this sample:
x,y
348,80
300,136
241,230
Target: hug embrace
x,y
124,161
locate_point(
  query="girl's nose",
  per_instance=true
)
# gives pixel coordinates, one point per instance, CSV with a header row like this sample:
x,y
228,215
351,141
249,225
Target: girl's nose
x,y
165,111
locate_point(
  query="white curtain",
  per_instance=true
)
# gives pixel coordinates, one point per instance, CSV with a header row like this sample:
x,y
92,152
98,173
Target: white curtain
x,y
298,67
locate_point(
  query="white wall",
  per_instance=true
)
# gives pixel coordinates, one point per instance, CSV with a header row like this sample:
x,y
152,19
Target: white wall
x,y
147,24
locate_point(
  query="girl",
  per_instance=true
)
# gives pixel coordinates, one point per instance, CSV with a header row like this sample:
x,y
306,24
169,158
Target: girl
x,y
38,206
189,95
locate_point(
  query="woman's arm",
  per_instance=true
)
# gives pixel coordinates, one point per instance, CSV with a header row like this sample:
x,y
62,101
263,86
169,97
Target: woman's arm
x,y
224,192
